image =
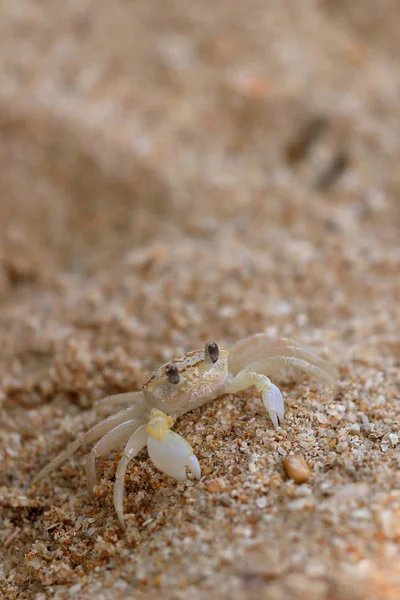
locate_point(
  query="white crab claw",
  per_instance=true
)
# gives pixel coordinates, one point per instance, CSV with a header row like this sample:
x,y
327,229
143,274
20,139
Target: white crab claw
x,y
273,402
172,454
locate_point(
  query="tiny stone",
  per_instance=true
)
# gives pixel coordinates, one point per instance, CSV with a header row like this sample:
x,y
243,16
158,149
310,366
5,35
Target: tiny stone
x,y
361,514
394,440
215,486
299,504
75,588
304,445
342,447
296,468
364,419
321,418
261,502
302,491
355,428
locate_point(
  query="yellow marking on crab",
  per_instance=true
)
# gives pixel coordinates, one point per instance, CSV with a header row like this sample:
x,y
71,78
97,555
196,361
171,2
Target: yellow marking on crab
x,y
159,424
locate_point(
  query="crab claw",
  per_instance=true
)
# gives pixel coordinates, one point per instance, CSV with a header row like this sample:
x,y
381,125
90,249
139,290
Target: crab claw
x,y
169,451
172,455
273,402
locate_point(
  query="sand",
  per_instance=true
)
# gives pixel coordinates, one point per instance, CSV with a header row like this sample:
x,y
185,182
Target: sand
x,y
178,172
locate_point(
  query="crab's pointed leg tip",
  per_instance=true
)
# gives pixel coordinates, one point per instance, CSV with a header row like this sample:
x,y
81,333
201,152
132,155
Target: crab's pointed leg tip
x,y
274,419
194,466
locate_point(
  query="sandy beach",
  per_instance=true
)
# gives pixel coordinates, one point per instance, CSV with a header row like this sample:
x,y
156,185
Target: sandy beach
x,y
173,173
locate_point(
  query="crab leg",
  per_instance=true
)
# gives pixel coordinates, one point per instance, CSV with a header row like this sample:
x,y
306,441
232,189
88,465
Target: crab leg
x,y
271,395
269,366
93,434
260,346
111,440
134,445
133,398
168,451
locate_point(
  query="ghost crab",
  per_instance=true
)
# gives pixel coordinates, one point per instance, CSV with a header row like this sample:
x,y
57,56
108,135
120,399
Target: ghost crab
x,y
176,388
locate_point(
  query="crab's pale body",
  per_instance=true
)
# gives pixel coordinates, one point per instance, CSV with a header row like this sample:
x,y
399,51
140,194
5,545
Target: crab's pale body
x,y
178,387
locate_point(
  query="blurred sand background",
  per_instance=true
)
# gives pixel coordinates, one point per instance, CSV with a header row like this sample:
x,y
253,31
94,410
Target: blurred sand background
x,y
174,172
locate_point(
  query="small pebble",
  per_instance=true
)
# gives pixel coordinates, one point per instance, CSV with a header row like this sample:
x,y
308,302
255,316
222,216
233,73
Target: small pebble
x,y
321,418
342,447
262,502
296,468
215,486
355,428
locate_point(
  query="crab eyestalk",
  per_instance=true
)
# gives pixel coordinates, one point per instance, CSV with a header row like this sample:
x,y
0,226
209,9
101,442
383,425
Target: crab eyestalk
x,y
211,353
170,452
172,373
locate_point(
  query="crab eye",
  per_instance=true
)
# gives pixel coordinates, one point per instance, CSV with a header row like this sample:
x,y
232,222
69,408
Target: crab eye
x,y
172,373
212,351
